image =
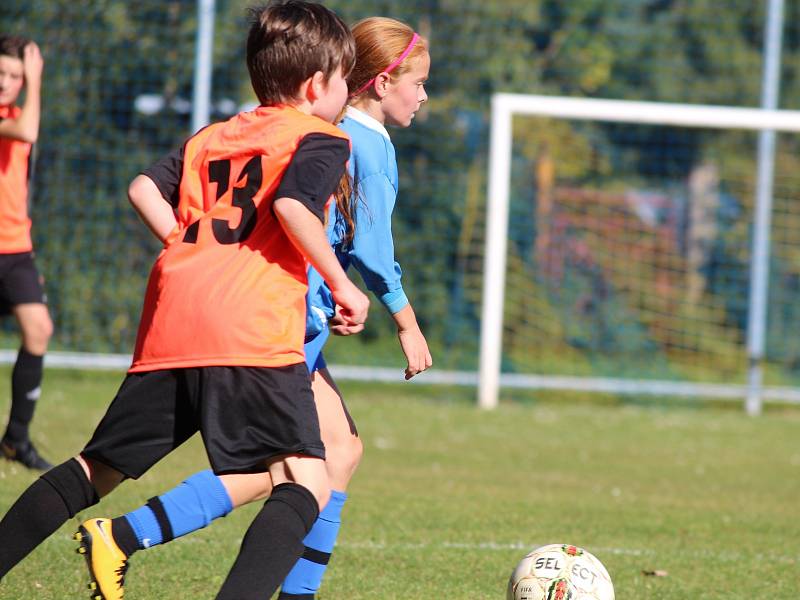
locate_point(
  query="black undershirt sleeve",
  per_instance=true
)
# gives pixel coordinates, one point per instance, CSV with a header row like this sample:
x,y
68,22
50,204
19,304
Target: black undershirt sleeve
x,y
315,171
166,174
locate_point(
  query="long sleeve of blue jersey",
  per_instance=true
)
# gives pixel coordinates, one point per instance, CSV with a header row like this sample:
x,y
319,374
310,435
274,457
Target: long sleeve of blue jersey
x,y
372,251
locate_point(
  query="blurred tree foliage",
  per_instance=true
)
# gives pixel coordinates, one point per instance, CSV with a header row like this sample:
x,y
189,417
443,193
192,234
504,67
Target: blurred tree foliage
x,y
118,85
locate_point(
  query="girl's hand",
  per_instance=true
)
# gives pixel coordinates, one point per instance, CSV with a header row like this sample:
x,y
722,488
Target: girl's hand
x,y
415,348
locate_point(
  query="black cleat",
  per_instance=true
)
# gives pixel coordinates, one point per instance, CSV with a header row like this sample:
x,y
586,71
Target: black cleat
x,y
25,454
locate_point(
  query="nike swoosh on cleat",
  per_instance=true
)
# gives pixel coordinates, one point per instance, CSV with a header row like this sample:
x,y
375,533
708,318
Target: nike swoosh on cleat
x,y
104,535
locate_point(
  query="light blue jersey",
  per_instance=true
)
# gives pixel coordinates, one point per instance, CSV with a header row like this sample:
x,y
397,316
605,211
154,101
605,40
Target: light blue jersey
x,y
373,167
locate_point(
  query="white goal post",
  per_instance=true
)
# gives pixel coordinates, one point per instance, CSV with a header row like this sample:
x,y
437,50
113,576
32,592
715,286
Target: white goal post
x,y
504,108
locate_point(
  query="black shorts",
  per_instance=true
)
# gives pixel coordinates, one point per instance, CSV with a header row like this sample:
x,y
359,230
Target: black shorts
x,y
246,416
20,282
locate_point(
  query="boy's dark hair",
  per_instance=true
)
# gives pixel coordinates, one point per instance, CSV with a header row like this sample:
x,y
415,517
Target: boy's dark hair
x,y
289,41
13,45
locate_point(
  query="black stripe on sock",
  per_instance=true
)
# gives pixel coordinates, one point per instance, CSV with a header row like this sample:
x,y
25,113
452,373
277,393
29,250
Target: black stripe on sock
x,y
155,505
285,596
316,556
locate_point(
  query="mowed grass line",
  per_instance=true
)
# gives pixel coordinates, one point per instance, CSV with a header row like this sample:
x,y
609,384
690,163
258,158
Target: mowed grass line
x,y
449,498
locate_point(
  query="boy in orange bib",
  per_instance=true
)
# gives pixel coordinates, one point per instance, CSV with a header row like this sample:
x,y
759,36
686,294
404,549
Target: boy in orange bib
x,y
220,342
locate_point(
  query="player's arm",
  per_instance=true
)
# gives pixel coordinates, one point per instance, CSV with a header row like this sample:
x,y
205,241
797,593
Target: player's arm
x,y
372,254
154,194
155,212
309,180
25,127
307,233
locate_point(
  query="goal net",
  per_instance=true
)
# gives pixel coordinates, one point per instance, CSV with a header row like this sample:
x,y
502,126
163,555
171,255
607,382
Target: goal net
x,y
618,248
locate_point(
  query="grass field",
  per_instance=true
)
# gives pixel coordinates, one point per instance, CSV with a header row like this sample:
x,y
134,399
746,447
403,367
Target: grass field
x,y
449,498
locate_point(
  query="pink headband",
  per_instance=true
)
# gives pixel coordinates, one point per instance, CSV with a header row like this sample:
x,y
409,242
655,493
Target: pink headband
x,y
392,66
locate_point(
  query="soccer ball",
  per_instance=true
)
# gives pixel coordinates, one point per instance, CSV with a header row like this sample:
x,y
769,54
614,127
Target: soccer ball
x,y
560,572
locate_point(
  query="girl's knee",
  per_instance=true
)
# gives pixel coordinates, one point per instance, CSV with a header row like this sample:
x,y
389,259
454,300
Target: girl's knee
x,y
356,451
343,457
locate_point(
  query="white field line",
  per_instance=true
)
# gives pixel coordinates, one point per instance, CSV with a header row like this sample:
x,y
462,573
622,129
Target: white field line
x,y
491,546
722,556
727,556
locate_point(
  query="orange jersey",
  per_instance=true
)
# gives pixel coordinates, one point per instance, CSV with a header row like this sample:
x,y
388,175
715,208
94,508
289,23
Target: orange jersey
x,y
229,287
15,226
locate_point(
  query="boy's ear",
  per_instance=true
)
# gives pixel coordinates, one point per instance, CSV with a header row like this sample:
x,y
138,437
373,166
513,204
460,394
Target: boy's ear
x,y
312,88
316,86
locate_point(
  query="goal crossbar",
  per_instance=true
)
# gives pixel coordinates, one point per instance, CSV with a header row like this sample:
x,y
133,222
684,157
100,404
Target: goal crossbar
x,y
652,113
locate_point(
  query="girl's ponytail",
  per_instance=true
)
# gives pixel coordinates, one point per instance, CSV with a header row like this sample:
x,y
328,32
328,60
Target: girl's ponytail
x,y
346,199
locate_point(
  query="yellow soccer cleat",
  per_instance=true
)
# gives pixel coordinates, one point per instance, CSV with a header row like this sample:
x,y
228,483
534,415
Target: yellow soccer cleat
x,y
107,564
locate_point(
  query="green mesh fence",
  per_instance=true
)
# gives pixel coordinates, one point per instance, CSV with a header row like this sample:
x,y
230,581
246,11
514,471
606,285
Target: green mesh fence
x,y
117,95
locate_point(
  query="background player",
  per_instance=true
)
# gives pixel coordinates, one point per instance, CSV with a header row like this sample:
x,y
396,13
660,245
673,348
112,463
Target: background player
x,y
387,84
21,291
220,340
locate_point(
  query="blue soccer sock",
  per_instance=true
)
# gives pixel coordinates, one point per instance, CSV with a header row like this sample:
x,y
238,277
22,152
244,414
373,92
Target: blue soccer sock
x,y
185,508
304,579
